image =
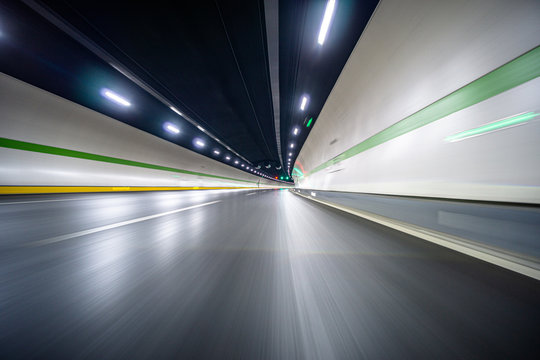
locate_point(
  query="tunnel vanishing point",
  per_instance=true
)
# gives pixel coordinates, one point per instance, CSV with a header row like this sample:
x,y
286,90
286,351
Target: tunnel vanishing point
x,y
270,179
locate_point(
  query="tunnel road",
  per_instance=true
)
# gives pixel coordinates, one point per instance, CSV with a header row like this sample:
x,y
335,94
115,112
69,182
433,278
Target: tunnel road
x,y
243,275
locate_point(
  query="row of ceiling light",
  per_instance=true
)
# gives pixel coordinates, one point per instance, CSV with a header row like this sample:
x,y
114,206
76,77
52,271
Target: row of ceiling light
x,y
173,129
325,25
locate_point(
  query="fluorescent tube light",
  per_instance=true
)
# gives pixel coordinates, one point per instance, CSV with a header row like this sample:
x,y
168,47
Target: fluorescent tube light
x,y
111,95
303,104
171,128
330,5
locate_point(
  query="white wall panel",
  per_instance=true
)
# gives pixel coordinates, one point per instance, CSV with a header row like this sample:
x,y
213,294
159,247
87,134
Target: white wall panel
x,y
33,115
411,54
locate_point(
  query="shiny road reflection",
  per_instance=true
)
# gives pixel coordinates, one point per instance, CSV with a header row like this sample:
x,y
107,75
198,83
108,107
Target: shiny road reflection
x,y
243,275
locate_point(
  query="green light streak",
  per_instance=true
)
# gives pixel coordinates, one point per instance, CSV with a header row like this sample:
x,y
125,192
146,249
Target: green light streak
x,y
309,122
514,73
298,172
497,125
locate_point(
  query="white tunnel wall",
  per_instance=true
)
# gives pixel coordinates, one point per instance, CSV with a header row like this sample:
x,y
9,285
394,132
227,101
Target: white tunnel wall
x,y
35,116
403,63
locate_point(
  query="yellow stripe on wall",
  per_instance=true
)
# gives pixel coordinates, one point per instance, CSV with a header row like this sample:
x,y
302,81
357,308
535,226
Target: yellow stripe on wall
x,y
76,189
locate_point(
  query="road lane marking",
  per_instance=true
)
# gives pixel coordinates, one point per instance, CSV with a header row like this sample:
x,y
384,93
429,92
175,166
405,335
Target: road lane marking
x,y
250,194
56,239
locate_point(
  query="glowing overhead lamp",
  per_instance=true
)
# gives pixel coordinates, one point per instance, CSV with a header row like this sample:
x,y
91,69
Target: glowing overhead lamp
x,y
173,129
330,6
111,95
303,103
199,143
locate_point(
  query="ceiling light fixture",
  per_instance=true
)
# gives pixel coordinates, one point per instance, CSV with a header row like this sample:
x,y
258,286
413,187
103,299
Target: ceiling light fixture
x,y
111,95
171,128
330,5
199,143
303,104
227,158
200,128
216,152
295,131
292,146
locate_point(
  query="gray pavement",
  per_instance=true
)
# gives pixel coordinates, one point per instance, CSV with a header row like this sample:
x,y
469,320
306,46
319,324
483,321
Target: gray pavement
x,y
243,275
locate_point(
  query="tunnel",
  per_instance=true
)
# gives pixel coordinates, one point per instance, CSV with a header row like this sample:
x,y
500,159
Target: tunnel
x,y
270,179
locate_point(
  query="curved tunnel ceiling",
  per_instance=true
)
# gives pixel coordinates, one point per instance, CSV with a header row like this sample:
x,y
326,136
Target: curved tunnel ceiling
x,y
207,59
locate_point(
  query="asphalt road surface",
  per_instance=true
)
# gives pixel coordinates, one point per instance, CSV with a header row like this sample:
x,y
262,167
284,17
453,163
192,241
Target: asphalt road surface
x,y
243,275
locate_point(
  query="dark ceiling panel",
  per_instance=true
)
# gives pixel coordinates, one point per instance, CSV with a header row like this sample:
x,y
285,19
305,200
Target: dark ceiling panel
x,y
309,68
208,58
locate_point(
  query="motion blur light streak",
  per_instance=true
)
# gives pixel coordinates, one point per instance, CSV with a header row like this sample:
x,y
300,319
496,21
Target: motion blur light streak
x,y
175,110
111,95
326,21
494,126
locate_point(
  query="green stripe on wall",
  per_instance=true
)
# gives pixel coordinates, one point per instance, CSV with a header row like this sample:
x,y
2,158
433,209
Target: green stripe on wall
x,y
22,145
516,72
